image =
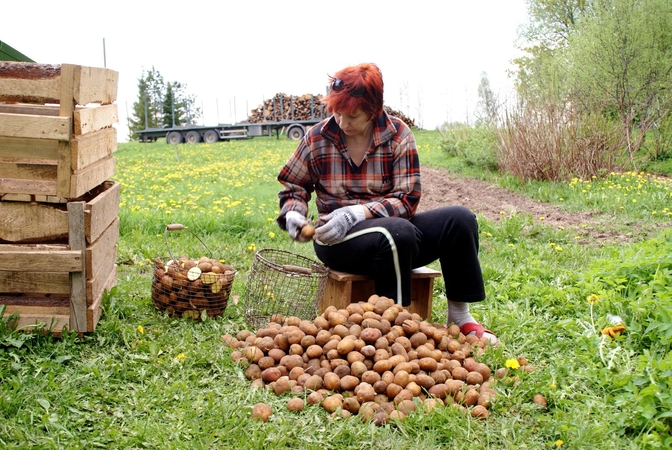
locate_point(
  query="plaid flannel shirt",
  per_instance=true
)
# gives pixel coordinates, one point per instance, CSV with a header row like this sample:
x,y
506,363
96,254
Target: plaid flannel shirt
x,y
387,182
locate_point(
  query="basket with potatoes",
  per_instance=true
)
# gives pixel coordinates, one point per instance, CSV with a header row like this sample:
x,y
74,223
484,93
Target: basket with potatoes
x,y
373,359
190,287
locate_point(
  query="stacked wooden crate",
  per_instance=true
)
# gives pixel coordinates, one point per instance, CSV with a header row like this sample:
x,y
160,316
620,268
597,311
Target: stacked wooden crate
x,y
59,223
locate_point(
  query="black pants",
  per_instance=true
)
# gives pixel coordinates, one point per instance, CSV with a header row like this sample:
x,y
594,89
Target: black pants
x,y
389,248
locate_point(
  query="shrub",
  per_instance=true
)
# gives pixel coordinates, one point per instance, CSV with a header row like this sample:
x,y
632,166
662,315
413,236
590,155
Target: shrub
x,y
552,143
475,145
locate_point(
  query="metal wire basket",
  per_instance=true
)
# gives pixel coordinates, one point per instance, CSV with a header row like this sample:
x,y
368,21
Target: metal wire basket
x,y
283,283
191,287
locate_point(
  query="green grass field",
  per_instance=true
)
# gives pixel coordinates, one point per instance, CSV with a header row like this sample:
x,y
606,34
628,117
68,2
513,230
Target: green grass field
x,y
144,380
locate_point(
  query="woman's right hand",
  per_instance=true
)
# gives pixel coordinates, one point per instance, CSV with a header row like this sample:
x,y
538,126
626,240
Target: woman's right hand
x,y
295,222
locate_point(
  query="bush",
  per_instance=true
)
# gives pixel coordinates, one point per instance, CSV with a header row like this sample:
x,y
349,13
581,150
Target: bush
x,y
475,145
555,144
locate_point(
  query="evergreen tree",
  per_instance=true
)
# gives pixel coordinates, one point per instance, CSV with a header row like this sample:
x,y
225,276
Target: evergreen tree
x,y
161,104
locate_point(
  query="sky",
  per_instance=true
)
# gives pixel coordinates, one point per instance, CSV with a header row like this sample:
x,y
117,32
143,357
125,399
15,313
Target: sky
x,y
233,55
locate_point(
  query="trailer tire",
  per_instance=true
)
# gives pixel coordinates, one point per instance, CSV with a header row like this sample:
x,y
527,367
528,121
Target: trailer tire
x,y
193,137
174,137
210,136
295,132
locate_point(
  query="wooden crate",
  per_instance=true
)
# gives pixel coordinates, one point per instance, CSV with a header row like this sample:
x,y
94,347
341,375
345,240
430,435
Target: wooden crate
x,y
56,130
62,285
344,288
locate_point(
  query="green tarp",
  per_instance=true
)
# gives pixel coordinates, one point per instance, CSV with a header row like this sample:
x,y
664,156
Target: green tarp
x,y
7,53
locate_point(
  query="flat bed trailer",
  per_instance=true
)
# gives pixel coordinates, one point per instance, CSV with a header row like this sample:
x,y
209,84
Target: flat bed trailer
x,y
192,134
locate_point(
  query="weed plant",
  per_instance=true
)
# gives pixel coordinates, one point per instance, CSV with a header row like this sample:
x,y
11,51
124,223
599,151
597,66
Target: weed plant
x,y
145,380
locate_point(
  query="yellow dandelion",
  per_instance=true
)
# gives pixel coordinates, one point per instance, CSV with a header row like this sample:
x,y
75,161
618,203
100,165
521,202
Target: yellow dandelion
x,y
559,443
542,218
592,299
558,248
181,356
512,364
141,330
271,235
251,247
511,245
552,244
501,213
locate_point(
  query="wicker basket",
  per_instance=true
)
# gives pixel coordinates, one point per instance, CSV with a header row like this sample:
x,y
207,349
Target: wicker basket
x,y
187,287
283,283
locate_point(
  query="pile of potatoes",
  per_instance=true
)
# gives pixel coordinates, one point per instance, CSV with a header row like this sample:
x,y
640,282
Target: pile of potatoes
x,y
374,359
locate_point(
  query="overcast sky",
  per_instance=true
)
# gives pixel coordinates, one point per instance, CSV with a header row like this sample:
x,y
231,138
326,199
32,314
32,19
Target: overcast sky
x,y
232,55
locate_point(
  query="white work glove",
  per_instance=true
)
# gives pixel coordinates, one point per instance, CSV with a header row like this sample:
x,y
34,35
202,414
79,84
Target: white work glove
x,y
294,222
338,224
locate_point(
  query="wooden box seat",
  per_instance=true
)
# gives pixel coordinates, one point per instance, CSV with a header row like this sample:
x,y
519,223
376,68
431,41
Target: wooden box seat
x,y
344,288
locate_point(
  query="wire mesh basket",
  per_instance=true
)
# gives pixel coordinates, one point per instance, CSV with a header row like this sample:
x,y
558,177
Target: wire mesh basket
x,y
283,283
190,287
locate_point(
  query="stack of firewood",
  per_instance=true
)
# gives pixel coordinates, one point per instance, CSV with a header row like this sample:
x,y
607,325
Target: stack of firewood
x,y
306,107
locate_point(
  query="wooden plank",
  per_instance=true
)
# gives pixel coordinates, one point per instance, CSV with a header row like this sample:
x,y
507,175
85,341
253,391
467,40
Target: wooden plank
x,y
36,305
94,85
102,251
77,241
95,311
66,108
93,147
39,282
54,322
32,222
29,82
36,172
15,198
103,210
96,285
35,110
88,120
27,259
37,149
38,127
86,179
14,186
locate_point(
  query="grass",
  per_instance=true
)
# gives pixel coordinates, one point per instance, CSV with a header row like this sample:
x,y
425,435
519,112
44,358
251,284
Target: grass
x,y
144,380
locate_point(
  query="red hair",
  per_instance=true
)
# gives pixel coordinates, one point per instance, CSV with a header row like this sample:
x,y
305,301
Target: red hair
x,y
367,76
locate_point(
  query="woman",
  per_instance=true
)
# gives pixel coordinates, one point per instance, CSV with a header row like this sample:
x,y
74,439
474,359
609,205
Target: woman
x,y
363,166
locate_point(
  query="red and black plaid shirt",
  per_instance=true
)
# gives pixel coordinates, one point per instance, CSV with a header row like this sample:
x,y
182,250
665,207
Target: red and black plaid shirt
x,y
387,182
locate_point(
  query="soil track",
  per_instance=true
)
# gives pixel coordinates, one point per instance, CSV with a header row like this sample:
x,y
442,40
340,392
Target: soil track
x,y
440,188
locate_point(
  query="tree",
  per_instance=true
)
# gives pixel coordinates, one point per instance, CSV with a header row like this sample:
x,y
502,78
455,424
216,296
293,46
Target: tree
x,y
161,104
488,105
621,65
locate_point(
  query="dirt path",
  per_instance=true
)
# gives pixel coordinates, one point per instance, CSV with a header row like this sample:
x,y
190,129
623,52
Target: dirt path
x,y
440,188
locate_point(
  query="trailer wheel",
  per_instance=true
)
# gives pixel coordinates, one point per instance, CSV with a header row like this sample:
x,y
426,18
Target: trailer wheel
x,y
295,132
210,136
174,137
192,137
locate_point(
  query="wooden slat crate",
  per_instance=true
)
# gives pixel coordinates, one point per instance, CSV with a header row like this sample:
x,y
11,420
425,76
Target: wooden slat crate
x,y
62,284
56,130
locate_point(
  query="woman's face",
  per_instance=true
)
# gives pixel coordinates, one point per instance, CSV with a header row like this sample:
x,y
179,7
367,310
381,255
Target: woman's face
x,y
353,124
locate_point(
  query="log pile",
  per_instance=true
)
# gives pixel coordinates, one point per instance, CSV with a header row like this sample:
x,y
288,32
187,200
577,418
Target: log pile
x,y
305,107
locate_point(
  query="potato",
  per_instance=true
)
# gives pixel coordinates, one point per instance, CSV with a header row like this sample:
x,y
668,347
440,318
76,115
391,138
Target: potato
x,y
332,403
331,381
345,346
295,404
479,412
474,378
370,335
261,411
315,398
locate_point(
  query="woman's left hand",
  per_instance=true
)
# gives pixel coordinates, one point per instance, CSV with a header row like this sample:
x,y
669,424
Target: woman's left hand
x,y
339,222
